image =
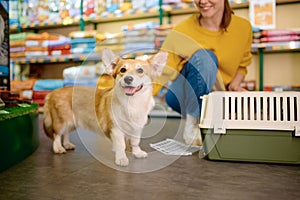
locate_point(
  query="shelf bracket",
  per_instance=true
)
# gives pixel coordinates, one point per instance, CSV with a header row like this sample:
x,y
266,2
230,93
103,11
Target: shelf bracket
x,y
261,68
82,25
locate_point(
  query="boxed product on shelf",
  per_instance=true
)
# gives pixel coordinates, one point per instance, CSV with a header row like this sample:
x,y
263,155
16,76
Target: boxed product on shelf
x,y
59,50
276,35
139,37
100,6
116,47
139,26
89,7
138,4
113,41
280,88
83,34
249,85
139,40
23,87
80,72
151,3
81,82
41,45
161,33
83,42
42,87
238,1
13,12
133,38
83,45
48,84
172,2
19,85
39,96
125,5
17,48
84,75
187,1
112,5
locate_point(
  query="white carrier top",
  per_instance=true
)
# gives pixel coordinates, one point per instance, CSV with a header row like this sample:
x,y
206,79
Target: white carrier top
x,y
251,110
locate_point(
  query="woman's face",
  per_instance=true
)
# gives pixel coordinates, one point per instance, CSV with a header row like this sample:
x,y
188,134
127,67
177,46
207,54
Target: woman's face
x,y
210,8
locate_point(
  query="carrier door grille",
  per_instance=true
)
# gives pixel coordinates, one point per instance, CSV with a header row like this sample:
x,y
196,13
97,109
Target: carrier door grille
x,y
260,108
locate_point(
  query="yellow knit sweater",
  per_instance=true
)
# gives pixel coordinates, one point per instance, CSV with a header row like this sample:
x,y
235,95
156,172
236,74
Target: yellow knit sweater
x,y
232,48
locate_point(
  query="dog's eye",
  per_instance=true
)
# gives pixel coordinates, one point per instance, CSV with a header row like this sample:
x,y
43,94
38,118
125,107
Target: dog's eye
x,y
123,70
140,70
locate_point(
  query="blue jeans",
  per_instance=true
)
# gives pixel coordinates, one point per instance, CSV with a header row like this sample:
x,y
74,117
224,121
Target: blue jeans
x,y
197,78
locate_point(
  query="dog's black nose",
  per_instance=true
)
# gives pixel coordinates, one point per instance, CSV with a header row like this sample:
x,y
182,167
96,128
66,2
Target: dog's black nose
x,y
128,79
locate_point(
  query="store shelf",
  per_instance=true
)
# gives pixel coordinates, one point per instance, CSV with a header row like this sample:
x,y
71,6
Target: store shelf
x,y
77,57
107,17
128,15
272,47
191,8
45,25
286,1
57,59
266,47
277,46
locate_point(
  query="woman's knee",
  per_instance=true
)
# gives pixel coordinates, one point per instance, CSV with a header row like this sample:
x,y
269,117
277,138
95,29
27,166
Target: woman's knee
x,y
206,56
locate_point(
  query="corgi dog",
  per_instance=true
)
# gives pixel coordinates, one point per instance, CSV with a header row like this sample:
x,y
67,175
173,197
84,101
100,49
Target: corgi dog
x,y
120,111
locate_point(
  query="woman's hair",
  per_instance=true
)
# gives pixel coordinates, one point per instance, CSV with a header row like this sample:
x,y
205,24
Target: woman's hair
x,y
226,16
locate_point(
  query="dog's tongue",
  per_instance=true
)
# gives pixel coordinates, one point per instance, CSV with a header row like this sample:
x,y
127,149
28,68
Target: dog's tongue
x,y
130,91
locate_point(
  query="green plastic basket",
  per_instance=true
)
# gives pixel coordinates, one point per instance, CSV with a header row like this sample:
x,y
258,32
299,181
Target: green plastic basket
x,y
19,136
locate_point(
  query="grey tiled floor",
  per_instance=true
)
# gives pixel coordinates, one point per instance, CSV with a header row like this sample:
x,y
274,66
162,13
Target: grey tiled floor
x,y
79,175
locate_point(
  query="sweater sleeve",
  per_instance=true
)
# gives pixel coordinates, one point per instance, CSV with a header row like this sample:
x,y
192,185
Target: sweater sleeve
x,y
247,57
180,48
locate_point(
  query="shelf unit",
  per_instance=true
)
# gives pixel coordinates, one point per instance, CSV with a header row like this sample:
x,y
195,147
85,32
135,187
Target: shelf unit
x,y
159,12
274,47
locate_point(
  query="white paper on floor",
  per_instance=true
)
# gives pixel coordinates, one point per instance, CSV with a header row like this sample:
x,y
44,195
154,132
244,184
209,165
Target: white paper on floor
x,y
175,148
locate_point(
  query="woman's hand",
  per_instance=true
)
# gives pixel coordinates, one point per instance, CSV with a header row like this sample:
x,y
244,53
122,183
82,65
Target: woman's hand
x,y
236,88
235,84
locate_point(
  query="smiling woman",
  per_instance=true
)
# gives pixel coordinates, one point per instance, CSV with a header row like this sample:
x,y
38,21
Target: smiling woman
x,y
209,44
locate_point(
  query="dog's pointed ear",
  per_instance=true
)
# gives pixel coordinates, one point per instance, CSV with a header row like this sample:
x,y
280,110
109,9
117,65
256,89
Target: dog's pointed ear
x,y
158,62
105,81
109,59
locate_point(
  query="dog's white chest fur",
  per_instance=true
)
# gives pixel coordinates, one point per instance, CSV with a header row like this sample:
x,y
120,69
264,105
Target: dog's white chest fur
x,y
135,110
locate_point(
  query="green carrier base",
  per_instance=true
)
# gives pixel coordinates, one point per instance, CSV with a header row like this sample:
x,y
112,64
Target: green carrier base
x,y
252,146
19,135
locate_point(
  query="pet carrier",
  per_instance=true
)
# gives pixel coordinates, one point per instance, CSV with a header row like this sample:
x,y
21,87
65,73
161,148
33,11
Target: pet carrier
x,y
251,126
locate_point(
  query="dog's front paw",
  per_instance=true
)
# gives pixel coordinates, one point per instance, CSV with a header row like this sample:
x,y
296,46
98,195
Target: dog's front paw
x,y
140,154
123,161
59,149
69,146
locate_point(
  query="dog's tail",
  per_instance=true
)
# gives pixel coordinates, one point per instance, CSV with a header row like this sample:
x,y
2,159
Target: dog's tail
x,y
47,123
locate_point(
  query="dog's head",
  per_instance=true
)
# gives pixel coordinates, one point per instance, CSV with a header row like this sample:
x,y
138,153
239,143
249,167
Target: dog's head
x,y
134,75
